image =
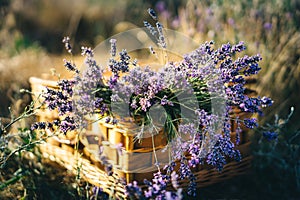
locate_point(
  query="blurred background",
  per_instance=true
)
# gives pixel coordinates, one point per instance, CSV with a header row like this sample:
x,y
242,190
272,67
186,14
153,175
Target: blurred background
x,y
31,32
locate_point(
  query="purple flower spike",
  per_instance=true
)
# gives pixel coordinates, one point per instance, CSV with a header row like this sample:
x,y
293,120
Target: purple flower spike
x,y
251,123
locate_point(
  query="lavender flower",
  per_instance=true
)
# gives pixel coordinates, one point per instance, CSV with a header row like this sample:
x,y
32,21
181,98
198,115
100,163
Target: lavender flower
x,y
270,135
70,66
151,50
152,13
113,47
268,26
87,51
252,69
120,66
165,101
160,6
251,105
266,101
224,147
66,41
188,129
107,165
251,123
134,191
150,28
38,125
67,86
161,38
185,172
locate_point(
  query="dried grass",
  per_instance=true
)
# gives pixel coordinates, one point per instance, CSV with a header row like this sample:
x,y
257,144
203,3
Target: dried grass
x,y
15,72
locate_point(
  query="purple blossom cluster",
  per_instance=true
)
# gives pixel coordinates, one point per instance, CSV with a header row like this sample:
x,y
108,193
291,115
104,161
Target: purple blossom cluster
x,y
66,41
119,66
204,144
270,135
61,100
142,93
205,75
222,149
157,31
70,66
251,123
85,98
155,189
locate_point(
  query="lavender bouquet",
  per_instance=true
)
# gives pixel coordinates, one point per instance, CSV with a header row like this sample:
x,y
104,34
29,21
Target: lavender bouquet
x,y
193,100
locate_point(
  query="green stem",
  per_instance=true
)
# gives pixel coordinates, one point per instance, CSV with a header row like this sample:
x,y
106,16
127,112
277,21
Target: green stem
x,y
18,176
2,162
26,114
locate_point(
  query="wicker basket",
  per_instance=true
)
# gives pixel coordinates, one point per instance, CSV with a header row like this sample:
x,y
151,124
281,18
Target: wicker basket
x,y
135,162
92,171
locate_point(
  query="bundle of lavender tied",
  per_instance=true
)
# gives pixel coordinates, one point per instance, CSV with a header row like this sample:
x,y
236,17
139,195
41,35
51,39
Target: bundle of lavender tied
x,y
191,100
